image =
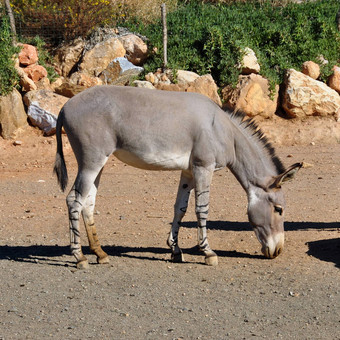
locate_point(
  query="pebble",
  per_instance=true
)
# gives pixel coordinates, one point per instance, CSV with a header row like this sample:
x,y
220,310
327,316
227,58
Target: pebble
x,y
17,142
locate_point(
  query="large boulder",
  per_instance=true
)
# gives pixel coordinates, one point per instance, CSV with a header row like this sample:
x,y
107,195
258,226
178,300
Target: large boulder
x,y
304,96
96,60
68,56
13,117
43,109
35,72
136,48
252,96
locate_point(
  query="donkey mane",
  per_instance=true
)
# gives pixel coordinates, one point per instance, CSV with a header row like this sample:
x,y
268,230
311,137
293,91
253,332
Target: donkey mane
x,y
254,133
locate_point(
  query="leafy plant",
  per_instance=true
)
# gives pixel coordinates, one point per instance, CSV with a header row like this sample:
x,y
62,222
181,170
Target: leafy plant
x,y
8,76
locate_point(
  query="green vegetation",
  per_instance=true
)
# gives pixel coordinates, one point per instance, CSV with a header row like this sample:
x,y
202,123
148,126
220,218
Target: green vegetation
x,y
209,38
8,75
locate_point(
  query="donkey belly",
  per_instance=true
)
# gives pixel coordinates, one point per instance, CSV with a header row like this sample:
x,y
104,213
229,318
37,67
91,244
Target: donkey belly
x,y
154,161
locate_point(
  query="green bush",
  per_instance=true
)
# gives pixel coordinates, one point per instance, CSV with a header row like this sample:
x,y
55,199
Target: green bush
x,y
8,75
209,38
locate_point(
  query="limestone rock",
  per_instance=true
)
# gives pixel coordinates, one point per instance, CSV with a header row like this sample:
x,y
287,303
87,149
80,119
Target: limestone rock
x,y
28,55
119,72
26,83
249,63
69,90
311,69
35,72
143,84
43,109
334,79
12,114
304,96
96,60
252,96
206,85
84,79
136,49
68,56
185,77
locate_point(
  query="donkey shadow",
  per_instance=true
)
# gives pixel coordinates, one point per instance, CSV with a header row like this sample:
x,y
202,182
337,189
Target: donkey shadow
x,y
325,250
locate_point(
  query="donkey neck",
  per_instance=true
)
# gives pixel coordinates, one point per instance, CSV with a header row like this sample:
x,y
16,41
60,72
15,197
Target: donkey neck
x,y
254,163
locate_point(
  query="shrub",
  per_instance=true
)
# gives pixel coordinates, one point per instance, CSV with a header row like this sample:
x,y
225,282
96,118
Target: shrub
x,y
8,75
209,38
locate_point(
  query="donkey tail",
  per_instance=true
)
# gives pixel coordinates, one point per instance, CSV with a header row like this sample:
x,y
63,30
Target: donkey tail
x,y
59,165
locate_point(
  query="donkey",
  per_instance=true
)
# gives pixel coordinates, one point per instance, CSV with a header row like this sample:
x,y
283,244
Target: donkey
x,y
160,130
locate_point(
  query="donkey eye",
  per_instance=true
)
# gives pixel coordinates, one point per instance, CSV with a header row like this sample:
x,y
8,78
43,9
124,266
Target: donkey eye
x,y
278,209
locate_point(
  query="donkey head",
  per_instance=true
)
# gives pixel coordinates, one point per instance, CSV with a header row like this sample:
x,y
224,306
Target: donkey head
x,y
266,208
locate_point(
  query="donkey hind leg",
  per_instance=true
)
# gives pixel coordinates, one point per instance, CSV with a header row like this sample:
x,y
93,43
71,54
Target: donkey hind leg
x,y
203,177
184,189
76,200
90,227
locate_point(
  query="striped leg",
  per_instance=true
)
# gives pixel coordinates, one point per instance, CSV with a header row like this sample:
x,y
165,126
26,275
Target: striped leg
x,y
76,201
203,178
90,227
183,194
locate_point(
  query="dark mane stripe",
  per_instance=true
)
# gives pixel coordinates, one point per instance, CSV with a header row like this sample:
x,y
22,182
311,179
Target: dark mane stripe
x,y
255,133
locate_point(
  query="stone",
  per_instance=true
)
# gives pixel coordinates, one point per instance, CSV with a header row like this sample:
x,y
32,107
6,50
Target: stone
x,y
185,77
249,63
84,79
119,72
26,83
35,72
68,89
143,84
334,79
28,55
252,96
206,86
136,48
304,97
43,109
311,69
96,60
68,56
13,117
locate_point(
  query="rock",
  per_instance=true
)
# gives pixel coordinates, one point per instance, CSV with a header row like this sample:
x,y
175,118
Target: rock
x,y
68,56
205,85
84,79
252,96
13,117
334,79
119,72
96,60
311,69
28,55
68,89
44,84
35,72
185,77
43,109
136,49
249,63
172,87
304,96
144,84
150,77
26,83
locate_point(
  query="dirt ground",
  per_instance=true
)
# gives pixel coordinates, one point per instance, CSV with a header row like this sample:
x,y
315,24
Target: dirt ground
x,y
141,294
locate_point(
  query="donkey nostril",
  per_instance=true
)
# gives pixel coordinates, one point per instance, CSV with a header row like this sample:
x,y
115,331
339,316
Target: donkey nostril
x,y
279,251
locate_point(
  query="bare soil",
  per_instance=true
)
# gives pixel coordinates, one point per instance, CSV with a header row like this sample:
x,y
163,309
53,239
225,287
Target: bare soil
x,y
141,294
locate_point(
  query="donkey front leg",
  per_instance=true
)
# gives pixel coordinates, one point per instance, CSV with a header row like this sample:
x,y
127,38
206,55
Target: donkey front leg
x,y
203,178
183,194
90,227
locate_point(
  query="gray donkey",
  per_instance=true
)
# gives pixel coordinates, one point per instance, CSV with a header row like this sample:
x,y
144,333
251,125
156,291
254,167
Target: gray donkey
x,y
160,130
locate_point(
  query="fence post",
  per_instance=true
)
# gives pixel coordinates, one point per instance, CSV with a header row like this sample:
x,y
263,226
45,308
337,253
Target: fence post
x,y
12,22
165,37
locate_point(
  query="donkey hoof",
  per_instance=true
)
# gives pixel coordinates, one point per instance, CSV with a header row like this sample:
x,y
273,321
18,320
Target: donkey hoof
x,y
103,260
211,260
177,258
83,265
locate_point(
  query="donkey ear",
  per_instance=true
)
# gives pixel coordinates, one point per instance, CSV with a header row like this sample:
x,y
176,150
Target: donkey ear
x,y
287,175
